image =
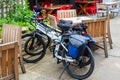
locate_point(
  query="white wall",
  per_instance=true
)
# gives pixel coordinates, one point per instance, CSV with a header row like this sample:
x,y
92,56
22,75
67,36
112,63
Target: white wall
x,y
107,0
110,0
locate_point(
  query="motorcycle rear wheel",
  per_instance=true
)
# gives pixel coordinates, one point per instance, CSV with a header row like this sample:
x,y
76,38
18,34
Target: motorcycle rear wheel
x,y
86,63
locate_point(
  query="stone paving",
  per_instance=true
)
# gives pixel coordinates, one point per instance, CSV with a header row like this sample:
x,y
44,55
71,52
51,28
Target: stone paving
x,y
105,68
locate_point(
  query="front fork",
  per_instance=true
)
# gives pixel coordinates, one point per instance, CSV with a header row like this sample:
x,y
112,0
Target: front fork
x,y
35,35
32,42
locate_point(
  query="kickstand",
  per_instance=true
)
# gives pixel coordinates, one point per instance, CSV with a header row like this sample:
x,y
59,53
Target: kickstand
x,y
64,70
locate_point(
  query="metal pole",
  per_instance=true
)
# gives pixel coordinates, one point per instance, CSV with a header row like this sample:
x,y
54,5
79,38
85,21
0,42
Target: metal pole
x,y
73,3
36,2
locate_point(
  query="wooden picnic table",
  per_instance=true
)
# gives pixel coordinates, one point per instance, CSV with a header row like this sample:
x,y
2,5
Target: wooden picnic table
x,y
77,20
50,9
83,5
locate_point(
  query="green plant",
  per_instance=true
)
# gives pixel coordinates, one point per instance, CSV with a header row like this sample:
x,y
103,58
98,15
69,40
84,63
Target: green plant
x,y
22,13
20,16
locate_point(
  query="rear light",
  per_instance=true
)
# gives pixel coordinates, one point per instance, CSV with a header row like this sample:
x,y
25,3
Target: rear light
x,y
83,33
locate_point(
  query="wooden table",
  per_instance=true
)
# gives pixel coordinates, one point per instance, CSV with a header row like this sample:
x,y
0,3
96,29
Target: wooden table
x,y
77,20
50,9
83,5
96,28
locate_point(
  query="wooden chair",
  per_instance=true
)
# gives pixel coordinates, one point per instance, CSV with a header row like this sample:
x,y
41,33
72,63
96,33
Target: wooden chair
x,y
12,33
97,29
66,13
108,31
53,21
9,61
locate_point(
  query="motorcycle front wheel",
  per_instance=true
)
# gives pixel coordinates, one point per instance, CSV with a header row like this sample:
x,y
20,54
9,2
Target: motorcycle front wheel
x,y
36,47
31,50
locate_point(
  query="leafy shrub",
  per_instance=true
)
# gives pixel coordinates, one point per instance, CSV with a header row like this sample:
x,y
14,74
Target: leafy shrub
x,y
20,17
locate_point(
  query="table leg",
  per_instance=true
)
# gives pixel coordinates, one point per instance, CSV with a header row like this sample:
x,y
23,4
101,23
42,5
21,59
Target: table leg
x,y
83,9
45,14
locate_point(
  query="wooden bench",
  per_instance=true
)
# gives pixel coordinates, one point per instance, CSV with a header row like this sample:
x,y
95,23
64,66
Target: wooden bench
x,y
9,61
66,13
97,29
12,33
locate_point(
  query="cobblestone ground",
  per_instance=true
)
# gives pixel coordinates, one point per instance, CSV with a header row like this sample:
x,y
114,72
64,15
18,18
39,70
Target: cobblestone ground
x,y
105,68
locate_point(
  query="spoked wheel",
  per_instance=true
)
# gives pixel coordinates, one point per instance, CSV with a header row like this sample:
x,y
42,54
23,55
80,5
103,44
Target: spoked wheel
x,y
46,39
83,68
32,50
36,48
